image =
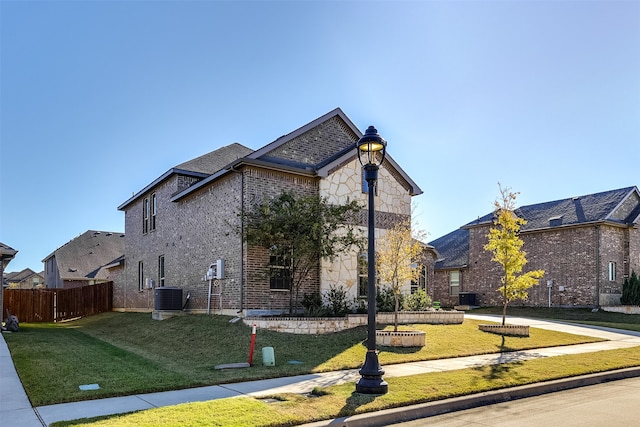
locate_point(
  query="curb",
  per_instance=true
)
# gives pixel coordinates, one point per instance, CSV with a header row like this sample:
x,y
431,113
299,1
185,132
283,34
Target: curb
x,y
429,409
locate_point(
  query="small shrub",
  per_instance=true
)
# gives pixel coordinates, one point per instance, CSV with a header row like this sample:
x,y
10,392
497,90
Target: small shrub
x,y
386,301
359,305
337,303
418,301
312,304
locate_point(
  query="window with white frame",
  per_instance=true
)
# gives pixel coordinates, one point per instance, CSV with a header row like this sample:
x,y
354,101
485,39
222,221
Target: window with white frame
x,y
612,271
454,283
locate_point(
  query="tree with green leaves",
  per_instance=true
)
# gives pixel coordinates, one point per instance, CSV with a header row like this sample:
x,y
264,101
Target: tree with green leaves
x,y
396,260
301,230
506,246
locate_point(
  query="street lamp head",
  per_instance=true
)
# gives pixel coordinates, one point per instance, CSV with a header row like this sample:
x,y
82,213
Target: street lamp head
x,y
369,145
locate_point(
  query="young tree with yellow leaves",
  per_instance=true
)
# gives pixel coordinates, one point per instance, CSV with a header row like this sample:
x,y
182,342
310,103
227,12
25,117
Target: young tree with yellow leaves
x,y
506,245
396,259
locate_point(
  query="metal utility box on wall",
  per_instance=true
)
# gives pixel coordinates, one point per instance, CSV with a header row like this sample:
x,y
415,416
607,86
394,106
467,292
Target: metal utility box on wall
x,y
220,269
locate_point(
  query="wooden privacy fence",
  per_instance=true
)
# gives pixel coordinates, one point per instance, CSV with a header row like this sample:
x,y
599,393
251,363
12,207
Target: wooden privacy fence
x,y
54,305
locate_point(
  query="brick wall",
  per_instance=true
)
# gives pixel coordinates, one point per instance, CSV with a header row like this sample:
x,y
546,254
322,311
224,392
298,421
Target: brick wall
x,y
190,234
576,259
260,184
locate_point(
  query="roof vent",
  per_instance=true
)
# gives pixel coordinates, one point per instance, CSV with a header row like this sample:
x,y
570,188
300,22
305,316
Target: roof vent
x,y
555,221
575,198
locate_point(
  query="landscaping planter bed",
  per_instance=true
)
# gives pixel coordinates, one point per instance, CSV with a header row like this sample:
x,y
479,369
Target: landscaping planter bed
x,y
514,330
401,338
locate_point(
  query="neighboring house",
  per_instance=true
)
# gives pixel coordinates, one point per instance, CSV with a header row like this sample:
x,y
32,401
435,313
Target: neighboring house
x,y
187,218
25,279
7,253
86,260
586,245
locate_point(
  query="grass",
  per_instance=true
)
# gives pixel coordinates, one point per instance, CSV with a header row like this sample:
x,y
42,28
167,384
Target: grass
x,y
129,353
338,401
579,315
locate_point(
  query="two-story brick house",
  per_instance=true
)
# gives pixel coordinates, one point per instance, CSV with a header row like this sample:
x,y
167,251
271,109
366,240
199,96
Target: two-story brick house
x,y
586,245
187,218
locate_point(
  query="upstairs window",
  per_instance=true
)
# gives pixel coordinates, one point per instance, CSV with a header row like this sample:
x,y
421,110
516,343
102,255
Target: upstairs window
x,y
365,185
152,224
145,215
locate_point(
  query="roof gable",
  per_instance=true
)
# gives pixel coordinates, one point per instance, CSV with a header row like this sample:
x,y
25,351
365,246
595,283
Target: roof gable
x,y
20,275
84,257
336,131
313,150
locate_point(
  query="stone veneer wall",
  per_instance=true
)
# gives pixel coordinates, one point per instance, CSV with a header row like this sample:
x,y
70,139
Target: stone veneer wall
x,y
392,203
326,325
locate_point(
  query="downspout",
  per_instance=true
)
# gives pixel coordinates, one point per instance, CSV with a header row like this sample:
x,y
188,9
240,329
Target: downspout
x,y
598,269
233,168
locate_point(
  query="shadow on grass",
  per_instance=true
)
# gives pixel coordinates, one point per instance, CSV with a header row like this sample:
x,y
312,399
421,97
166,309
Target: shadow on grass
x,y
354,401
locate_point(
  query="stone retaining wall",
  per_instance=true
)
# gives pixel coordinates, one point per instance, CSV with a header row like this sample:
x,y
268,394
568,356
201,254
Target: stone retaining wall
x,y
325,325
626,309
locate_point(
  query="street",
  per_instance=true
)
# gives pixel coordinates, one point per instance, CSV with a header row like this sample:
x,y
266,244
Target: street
x,y
614,403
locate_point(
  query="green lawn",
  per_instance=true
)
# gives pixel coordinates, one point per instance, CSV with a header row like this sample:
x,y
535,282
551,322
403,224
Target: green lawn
x,y
128,353
578,315
338,401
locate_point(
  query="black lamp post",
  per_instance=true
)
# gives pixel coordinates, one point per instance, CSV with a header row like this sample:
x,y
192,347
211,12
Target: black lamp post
x,y
371,151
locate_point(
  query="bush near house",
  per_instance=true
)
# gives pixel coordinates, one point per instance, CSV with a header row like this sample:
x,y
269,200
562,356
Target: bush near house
x,y
631,290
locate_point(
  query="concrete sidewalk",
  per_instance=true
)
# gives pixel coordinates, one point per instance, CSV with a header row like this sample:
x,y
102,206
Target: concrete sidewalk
x,y
16,410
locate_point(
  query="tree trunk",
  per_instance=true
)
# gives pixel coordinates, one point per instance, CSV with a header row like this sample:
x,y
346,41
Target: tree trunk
x,y
504,312
395,313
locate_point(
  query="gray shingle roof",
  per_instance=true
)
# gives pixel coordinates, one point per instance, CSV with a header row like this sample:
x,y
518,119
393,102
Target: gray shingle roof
x,y
453,249
620,206
212,162
7,251
85,257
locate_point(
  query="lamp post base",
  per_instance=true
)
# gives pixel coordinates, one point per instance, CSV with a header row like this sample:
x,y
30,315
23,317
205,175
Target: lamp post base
x,y
371,381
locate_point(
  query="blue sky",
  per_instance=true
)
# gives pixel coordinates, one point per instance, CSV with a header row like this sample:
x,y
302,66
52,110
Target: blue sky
x,y
98,98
